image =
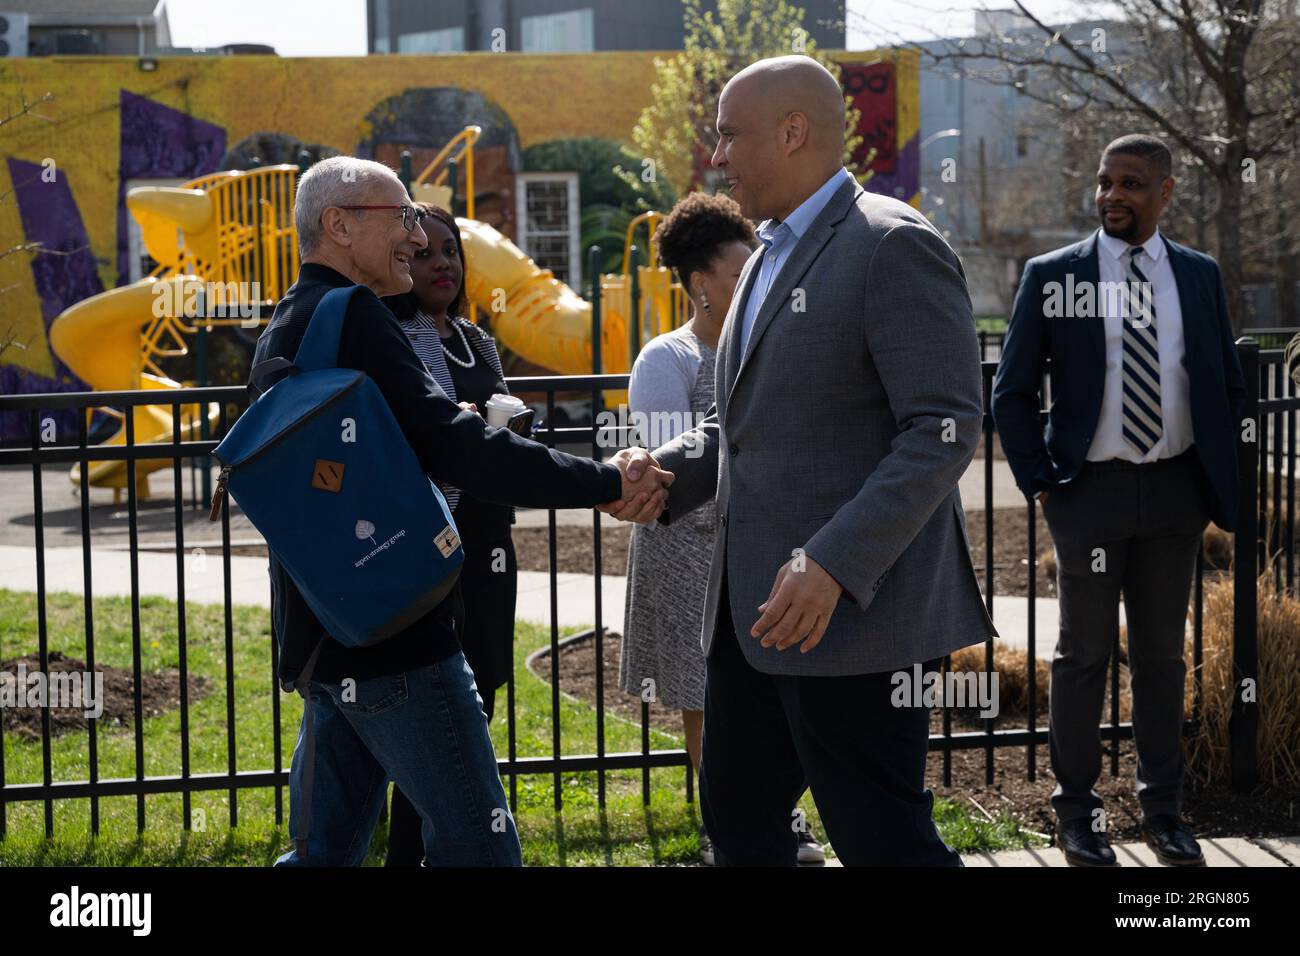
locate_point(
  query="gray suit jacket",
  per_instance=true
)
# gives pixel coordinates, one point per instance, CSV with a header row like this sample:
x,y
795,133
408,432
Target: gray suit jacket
x,y
843,431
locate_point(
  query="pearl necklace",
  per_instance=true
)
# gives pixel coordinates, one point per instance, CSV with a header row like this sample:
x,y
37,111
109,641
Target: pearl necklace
x,y
463,341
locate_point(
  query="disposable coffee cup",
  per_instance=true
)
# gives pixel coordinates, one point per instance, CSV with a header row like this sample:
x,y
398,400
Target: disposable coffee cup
x,y
502,408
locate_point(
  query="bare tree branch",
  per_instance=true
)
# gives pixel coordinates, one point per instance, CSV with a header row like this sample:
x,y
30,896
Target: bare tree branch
x,y
26,108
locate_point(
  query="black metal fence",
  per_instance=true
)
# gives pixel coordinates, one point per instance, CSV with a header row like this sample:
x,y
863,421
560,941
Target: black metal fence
x,y
1267,459
990,345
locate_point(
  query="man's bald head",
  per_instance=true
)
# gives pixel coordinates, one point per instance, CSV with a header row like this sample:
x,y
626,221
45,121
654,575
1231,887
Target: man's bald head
x,y
782,85
780,132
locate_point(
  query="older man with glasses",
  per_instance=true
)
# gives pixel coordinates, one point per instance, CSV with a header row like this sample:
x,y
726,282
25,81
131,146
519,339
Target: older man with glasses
x,y
405,710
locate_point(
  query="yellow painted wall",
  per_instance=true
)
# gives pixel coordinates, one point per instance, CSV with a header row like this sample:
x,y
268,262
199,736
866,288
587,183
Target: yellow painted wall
x,y
318,100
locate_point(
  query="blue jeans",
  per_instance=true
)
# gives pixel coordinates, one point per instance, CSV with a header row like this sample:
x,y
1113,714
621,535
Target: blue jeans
x,y
425,730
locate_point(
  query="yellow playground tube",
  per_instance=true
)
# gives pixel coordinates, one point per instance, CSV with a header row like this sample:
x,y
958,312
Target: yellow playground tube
x,y
534,314
110,339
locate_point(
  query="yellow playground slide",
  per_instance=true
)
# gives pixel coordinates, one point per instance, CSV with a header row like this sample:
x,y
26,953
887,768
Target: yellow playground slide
x,y
534,314
99,340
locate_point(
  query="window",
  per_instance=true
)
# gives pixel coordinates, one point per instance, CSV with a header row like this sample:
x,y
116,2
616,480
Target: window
x,y
450,40
571,32
547,214
382,27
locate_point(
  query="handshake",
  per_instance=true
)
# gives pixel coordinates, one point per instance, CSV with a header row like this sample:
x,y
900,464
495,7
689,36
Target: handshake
x,y
645,487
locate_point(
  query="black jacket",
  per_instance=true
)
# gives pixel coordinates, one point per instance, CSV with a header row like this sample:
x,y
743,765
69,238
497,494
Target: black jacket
x,y
1043,457
452,445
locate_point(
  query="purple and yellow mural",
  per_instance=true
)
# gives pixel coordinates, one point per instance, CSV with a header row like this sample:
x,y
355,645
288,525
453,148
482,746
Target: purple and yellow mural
x,y
109,125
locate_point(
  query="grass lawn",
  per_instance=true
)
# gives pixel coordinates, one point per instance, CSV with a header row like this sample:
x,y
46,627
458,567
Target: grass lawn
x,y
625,833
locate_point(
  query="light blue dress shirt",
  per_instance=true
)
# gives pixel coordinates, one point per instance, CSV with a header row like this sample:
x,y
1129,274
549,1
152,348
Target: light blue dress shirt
x,y
779,240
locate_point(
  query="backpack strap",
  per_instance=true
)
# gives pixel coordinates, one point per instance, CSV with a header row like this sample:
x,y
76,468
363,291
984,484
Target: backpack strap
x,y
261,370
319,348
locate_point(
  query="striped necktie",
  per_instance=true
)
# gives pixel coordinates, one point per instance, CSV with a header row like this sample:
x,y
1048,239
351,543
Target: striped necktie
x,y
1141,372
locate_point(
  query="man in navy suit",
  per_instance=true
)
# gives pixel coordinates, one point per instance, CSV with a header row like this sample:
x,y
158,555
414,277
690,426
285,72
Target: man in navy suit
x,y
1138,454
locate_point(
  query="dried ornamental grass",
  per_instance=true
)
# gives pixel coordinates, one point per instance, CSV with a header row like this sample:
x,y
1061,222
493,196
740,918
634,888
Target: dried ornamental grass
x,y
1209,755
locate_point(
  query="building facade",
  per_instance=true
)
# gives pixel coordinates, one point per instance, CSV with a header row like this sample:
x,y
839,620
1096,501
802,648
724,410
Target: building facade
x,y
553,26
81,27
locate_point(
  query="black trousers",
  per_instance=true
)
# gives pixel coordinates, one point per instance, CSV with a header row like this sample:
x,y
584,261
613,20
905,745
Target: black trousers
x,y
1131,530
768,738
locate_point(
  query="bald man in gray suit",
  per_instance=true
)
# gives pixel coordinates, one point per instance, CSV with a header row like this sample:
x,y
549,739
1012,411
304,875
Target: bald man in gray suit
x,y
848,405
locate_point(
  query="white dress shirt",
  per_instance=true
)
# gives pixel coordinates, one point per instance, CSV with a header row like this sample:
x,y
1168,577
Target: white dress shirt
x,y
1175,407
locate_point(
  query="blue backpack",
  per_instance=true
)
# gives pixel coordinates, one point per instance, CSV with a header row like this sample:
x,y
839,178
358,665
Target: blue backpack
x,y
321,468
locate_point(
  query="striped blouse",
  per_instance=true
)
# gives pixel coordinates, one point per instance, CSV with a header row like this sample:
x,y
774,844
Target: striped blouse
x,y
423,333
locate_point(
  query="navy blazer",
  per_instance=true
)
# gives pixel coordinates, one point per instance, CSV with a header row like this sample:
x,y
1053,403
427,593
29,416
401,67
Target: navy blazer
x,y
1042,459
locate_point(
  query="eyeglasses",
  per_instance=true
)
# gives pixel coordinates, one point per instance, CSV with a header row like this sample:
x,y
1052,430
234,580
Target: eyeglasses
x,y
410,214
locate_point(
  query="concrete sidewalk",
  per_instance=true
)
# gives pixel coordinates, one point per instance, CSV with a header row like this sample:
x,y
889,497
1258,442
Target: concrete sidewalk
x,y
1225,851
249,584
575,593
156,516
205,582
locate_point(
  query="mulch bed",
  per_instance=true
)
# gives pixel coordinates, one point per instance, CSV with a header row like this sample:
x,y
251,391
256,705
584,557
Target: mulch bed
x,y
160,691
1216,811
578,679
573,548
574,553
1011,552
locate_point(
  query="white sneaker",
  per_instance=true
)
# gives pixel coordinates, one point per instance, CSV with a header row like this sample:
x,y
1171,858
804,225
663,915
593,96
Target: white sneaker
x,y
706,849
810,851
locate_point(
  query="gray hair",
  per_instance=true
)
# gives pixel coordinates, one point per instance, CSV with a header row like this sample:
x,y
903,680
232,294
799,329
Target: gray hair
x,y
336,181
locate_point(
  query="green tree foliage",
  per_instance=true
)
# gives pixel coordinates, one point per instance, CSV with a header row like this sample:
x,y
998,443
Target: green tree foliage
x,y
678,124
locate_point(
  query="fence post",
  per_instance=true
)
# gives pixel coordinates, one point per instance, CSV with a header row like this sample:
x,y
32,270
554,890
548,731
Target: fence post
x,y
201,380
597,361
455,206
634,312
405,174
1243,723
